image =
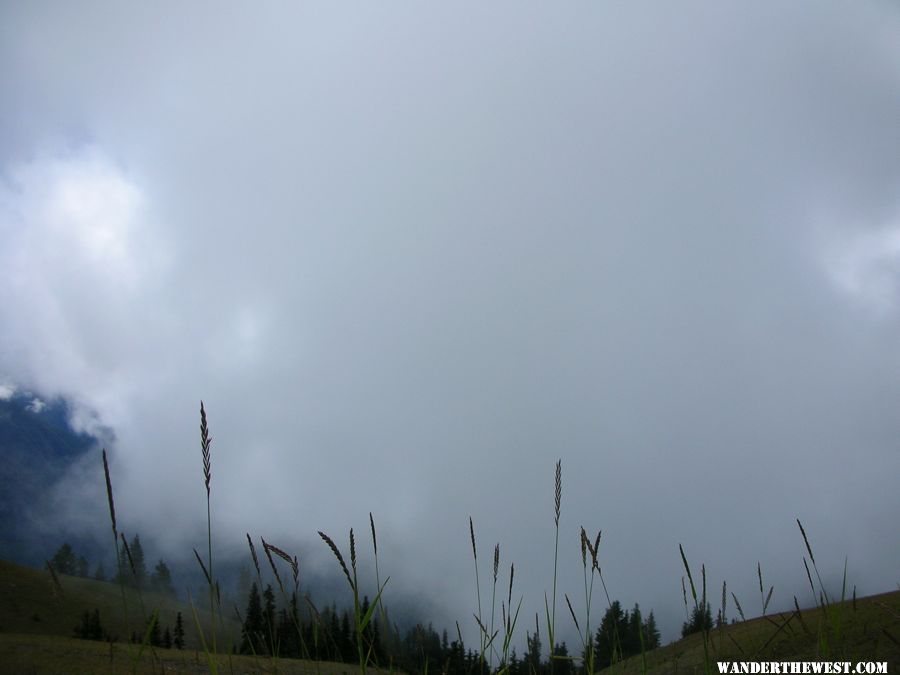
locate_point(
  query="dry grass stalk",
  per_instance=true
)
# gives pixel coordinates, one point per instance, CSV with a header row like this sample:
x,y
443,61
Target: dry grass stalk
x,y
109,496
202,566
128,555
738,605
253,554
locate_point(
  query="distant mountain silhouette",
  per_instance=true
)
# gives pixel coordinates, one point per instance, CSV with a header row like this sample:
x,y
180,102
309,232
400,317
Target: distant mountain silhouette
x,y
37,445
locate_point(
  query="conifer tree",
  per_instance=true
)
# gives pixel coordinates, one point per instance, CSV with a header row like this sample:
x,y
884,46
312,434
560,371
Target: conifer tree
x,y
651,633
155,633
161,580
64,561
701,620
608,643
253,628
269,618
140,565
178,635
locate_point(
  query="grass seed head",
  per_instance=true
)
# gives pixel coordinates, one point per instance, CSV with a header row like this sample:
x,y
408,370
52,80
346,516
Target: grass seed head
x,y
267,549
558,501
205,442
337,554
352,551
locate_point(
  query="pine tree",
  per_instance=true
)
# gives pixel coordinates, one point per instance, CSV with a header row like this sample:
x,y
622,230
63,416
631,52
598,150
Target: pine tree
x,y
651,633
90,627
252,632
532,660
346,639
632,640
608,643
562,664
155,633
99,572
178,636
167,639
269,617
161,580
701,620
140,565
64,561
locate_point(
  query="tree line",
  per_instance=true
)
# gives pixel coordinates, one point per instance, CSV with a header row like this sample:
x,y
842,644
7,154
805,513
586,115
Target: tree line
x,y
131,569
290,631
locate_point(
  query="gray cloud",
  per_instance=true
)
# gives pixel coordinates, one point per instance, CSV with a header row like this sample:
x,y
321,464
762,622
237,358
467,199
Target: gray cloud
x,y
409,259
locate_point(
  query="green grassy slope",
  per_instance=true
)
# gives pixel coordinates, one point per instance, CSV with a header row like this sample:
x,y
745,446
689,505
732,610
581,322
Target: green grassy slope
x,y
37,623
30,603
865,630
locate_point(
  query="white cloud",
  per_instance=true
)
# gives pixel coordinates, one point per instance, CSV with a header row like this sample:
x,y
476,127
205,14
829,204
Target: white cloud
x,y
865,265
36,405
7,391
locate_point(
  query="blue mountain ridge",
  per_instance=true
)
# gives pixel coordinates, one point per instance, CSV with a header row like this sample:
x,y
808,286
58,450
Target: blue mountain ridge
x,y
37,446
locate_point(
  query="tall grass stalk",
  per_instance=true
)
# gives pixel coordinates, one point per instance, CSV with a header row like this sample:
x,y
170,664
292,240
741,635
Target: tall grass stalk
x,y
382,613
115,533
494,597
587,638
830,629
509,620
687,568
551,610
482,631
209,648
362,620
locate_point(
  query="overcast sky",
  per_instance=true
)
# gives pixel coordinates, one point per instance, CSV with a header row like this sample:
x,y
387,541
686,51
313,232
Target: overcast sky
x,y
411,256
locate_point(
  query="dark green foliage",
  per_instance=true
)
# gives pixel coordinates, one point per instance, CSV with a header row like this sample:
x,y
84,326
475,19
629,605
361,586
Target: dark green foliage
x,y
288,633
532,661
140,566
623,634
651,633
167,639
155,633
178,634
701,620
252,634
100,572
134,570
562,662
161,581
269,619
90,627
64,560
